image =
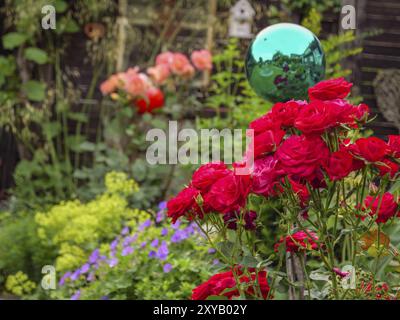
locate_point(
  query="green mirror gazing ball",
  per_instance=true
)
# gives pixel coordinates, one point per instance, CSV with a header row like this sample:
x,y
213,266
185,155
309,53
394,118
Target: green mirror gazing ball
x,y
283,61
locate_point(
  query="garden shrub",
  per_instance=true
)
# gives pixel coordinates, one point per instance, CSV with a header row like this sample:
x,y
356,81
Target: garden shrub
x,y
72,228
153,260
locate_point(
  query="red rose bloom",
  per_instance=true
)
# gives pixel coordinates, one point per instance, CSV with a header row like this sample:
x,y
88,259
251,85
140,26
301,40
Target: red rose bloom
x,y
265,176
221,282
361,112
299,241
389,167
317,117
286,112
267,142
371,149
330,89
154,99
388,207
228,193
183,203
302,157
205,176
264,123
301,191
394,145
339,165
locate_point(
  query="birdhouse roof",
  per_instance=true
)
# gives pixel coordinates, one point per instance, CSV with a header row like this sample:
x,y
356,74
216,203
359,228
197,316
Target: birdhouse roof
x,y
243,9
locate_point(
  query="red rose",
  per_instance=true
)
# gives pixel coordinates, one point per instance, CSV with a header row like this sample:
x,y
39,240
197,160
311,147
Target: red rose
x,y
219,284
154,99
183,203
265,176
286,112
264,123
299,241
361,112
302,157
301,191
371,149
330,89
205,176
389,167
339,165
317,117
267,142
388,208
394,145
228,193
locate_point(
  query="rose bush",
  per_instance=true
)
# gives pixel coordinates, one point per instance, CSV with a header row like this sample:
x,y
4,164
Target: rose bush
x,y
329,187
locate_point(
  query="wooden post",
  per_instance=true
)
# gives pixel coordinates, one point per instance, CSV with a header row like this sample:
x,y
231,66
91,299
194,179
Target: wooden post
x,y
210,35
122,23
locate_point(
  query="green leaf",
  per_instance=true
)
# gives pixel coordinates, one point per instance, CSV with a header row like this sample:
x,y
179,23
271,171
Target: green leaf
x,y
34,90
67,25
217,298
51,129
36,55
78,116
7,66
13,39
60,6
87,146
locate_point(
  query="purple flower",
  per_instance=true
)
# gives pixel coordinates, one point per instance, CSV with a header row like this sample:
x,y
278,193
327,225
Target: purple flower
x,y
164,232
143,244
94,256
126,251
91,277
154,243
76,295
162,252
113,262
167,267
211,250
64,277
114,244
162,205
179,236
176,225
145,225
104,298
75,275
85,268
160,216
215,261
125,231
152,254
128,240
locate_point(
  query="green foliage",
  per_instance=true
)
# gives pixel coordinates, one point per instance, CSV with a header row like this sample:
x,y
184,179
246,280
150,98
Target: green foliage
x,y
19,284
139,276
75,227
230,95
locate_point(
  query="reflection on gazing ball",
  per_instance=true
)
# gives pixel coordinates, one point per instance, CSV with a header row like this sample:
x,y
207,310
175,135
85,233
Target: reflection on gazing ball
x,y
283,61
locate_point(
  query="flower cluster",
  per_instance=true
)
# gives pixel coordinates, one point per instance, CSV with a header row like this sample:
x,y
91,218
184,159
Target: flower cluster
x,y
142,88
298,241
297,144
225,284
306,154
124,245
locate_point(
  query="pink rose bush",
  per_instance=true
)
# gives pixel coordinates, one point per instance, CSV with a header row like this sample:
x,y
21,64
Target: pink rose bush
x,y
144,89
311,160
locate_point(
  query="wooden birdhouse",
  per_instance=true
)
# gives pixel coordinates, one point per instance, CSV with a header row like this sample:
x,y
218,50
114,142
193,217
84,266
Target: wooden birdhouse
x,y
241,20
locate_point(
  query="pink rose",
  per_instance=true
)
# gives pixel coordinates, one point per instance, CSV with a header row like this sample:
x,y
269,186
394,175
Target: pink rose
x,y
159,73
202,59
